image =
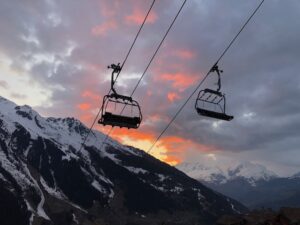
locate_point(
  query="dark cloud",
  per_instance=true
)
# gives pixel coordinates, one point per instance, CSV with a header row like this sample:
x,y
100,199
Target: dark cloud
x,y
65,47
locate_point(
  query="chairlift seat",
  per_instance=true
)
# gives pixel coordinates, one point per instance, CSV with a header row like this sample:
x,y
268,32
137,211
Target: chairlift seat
x,y
208,98
213,114
120,121
212,103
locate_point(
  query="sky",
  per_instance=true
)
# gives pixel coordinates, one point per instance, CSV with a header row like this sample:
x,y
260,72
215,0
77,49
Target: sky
x,y
54,57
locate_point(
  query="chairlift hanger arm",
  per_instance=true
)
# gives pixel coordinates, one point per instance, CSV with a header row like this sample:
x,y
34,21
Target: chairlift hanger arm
x,y
116,70
216,69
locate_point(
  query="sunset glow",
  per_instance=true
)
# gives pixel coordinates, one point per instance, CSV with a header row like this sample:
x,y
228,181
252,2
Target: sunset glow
x,y
55,57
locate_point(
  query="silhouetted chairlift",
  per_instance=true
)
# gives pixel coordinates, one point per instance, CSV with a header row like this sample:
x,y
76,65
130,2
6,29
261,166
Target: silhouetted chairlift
x,y
212,103
110,116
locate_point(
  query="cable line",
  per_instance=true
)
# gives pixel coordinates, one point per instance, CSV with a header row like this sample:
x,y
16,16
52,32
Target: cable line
x,y
202,81
136,37
127,55
148,65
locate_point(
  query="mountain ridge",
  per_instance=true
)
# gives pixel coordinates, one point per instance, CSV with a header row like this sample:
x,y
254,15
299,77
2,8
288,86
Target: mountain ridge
x,y
251,172
52,182
257,187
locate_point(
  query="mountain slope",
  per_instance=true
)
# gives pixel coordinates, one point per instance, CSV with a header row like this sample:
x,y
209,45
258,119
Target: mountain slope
x,y
251,184
47,180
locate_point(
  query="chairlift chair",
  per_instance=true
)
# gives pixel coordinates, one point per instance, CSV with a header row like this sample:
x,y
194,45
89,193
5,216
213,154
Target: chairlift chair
x,y
212,103
112,117
116,119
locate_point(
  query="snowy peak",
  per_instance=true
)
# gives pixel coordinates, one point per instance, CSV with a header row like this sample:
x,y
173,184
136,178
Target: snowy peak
x,y
297,175
6,105
199,171
251,171
69,131
70,124
25,111
248,171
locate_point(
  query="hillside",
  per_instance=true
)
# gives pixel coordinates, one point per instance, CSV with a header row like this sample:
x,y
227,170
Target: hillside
x,y
45,179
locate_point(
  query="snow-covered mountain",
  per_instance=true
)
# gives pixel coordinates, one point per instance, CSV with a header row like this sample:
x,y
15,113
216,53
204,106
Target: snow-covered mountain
x,y
46,178
296,175
248,171
198,171
251,184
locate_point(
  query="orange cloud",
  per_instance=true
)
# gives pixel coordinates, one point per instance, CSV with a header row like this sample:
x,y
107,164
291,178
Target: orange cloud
x,y
172,160
134,134
92,67
149,93
84,106
86,118
170,149
154,117
109,8
137,17
88,106
172,96
141,140
174,149
101,30
179,80
91,95
185,54
177,147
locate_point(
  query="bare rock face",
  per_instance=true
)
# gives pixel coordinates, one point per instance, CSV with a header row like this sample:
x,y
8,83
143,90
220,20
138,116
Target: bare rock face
x,y
47,179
